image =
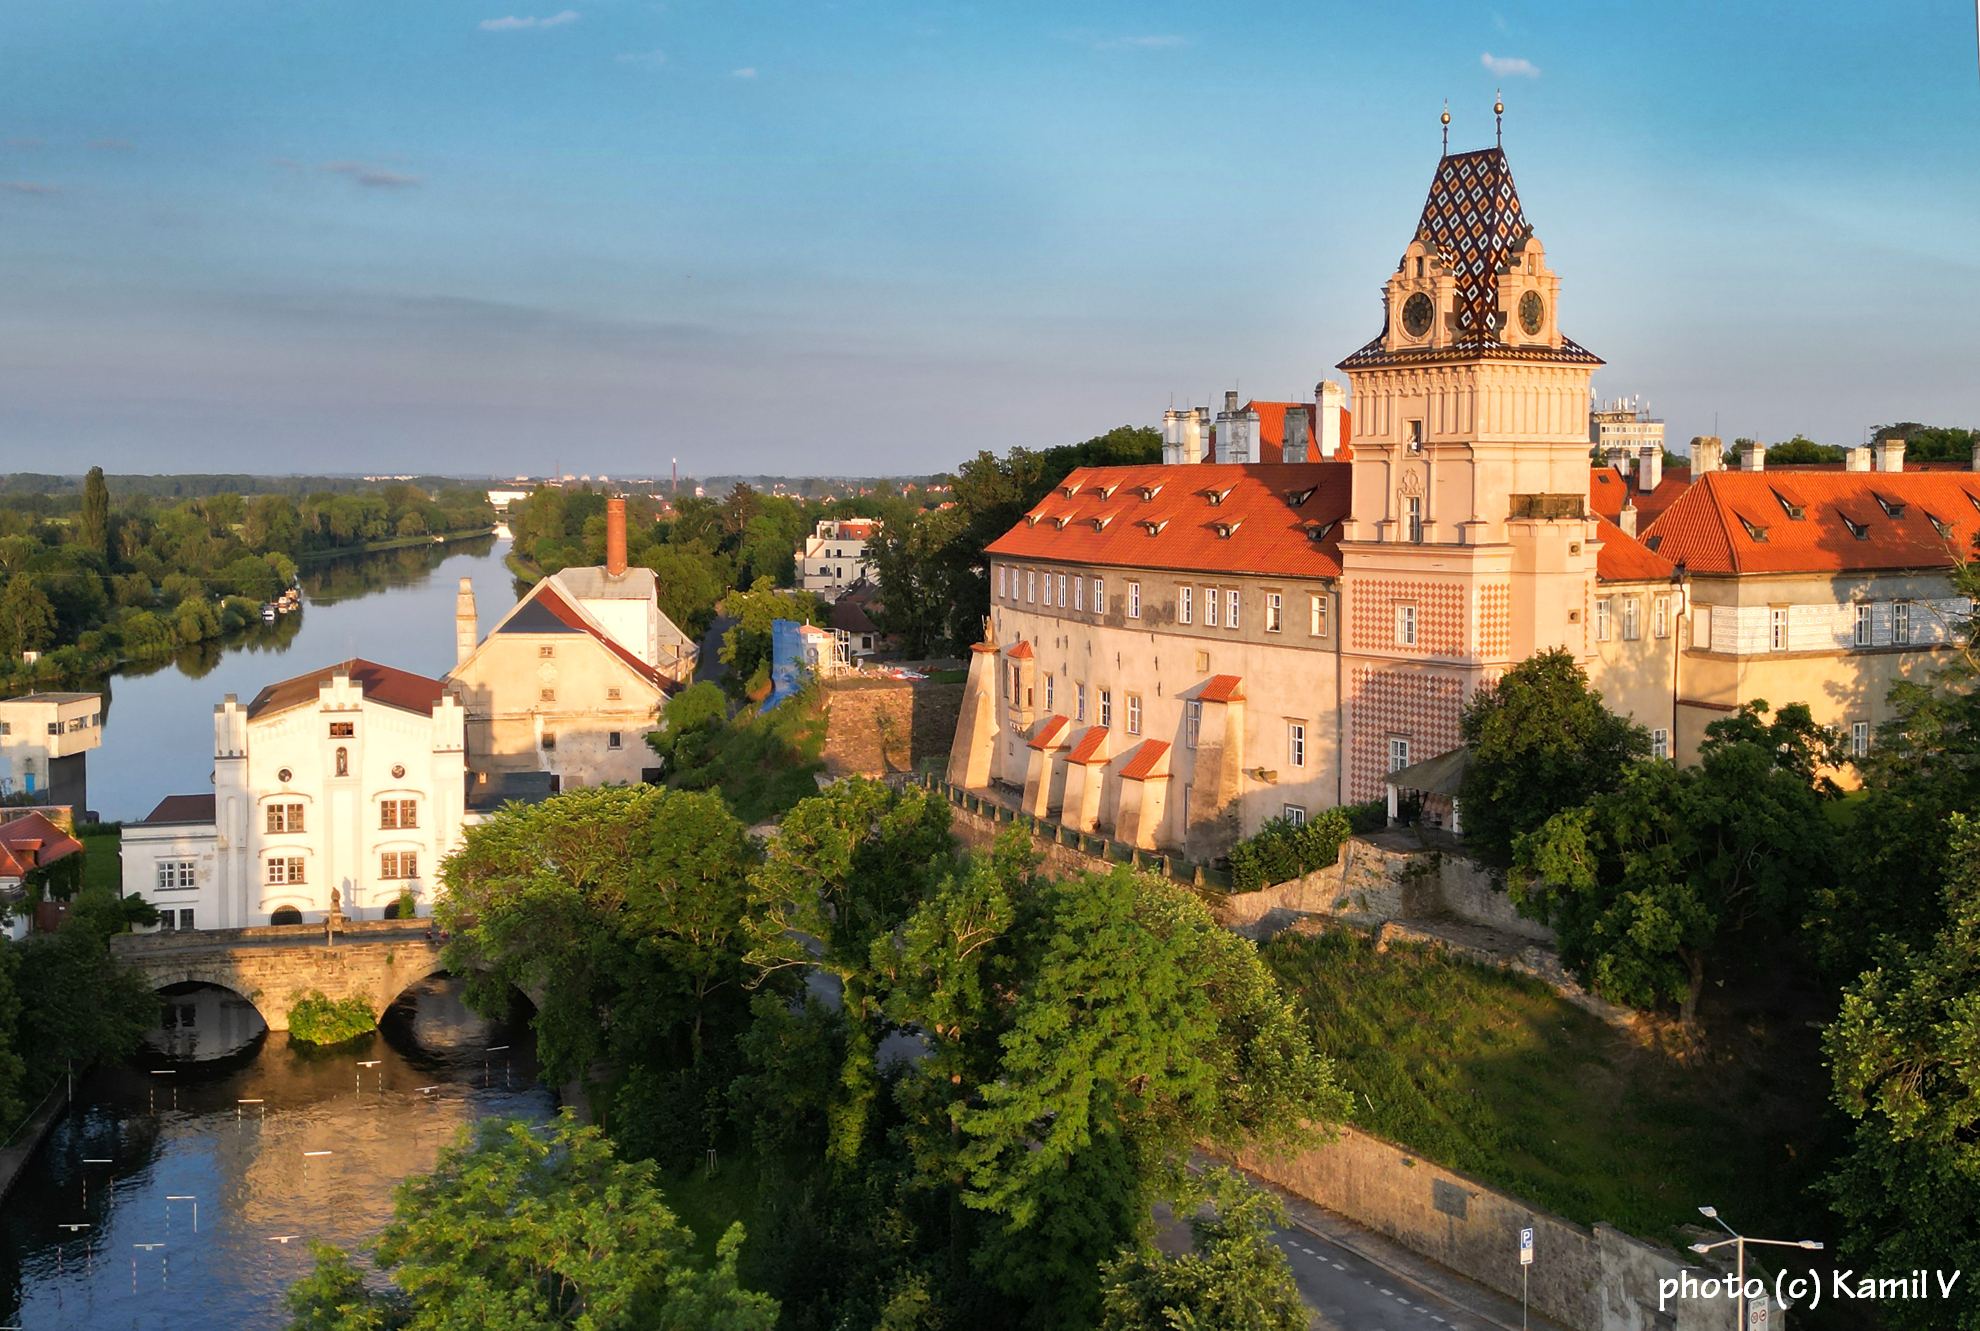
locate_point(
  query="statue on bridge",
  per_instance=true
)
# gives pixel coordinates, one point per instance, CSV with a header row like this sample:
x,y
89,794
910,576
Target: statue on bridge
x,y
335,919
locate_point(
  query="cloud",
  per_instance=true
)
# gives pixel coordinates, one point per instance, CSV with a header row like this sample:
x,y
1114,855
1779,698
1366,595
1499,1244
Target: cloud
x,y
372,177
1157,41
112,145
651,59
746,72
1509,66
515,22
28,187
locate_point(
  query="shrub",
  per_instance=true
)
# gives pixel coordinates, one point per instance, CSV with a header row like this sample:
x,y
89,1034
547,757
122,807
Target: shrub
x,y
1283,850
1365,818
316,1019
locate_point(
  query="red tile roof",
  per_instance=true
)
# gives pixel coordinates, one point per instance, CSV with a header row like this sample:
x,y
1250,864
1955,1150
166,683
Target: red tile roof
x,y
31,842
182,809
1147,755
1623,558
547,597
1221,688
380,683
1607,488
1281,518
1902,520
1020,651
1048,730
1089,746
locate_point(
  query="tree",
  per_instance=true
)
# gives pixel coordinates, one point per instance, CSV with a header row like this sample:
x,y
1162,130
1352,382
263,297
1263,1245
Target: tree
x,y
1236,1279
1650,884
513,1231
93,531
1932,443
27,619
13,1071
1541,741
746,647
86,1007
1904,1052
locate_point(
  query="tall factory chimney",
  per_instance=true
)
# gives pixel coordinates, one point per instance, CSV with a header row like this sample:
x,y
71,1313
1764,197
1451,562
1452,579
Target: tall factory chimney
x,y
615,537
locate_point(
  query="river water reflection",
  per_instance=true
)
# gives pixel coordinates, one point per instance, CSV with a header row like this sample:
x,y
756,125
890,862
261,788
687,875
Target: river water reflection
x,y
396,608
266,1138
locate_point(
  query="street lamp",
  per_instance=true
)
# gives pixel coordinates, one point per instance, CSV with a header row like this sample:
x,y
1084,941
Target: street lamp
x,y
1739,1242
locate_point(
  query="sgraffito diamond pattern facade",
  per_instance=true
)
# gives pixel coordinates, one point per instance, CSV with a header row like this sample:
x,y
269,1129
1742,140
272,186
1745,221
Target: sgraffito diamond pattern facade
x,y
1474,217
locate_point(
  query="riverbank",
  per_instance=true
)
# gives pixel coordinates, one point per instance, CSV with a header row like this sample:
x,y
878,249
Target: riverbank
x,y
525,569
18,1152
396,543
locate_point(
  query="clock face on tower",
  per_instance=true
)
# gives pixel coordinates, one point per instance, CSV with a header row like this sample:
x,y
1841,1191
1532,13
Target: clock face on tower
x,y
1532,314
1416,314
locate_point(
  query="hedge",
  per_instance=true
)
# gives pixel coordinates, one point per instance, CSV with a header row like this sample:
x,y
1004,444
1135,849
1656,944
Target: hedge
x,y
1283,850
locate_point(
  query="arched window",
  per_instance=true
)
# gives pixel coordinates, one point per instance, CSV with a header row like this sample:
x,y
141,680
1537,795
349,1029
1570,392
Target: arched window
x,y
391,910
286,915
343,761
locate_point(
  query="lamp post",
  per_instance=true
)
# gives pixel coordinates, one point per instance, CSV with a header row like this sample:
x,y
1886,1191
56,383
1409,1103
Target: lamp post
x,y
1739,1242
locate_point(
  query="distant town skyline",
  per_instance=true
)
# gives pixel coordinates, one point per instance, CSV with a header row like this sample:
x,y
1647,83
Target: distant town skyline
x,y
467,237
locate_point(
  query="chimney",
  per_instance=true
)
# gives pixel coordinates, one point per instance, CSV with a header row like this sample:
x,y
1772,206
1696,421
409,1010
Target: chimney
x,y
1976,453
1707,454
1752,456
1172,436
1627,518
1650,467
467,631
1293,443
1195,434
1887,455
1330,401
1857,459
615,538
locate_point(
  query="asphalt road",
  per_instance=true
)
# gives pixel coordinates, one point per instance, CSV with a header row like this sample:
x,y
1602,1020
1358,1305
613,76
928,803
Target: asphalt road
x,y
1347,1292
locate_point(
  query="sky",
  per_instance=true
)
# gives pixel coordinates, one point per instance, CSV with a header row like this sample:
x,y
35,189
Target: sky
x,y
467,237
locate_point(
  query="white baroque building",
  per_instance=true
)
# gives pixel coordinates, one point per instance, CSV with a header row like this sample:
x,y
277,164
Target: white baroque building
x,y
349,780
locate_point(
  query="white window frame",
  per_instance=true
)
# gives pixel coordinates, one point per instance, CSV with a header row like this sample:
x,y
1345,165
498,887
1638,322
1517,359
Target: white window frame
x,y
1048,691
1398,752
1859,739
1209,607
1106,713
1294,814
1296,743
1660,617
1603,613
1900,623
1185,605
1632,619
292,871
1866,625
1003,581
1660,743
1231,608
1079,593
1317,616
1079,702
1777,628
1062,591
1134,713
1405,624
1413,518
1275,612
1099,596
1134,599
1192,722
1031,586
177,875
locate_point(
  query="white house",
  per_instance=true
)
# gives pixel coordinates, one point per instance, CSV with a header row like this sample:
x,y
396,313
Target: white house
x,y
43,740
349,780
835,556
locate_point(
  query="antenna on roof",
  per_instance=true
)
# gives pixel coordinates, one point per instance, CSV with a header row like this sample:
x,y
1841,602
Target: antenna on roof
x,y
1447,127
1499,115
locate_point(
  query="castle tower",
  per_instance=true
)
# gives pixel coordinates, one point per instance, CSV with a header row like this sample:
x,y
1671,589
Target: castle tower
x,y
1470,544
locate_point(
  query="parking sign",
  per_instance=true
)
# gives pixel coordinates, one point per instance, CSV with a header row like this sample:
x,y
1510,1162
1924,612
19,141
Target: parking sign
x,y
1526,1247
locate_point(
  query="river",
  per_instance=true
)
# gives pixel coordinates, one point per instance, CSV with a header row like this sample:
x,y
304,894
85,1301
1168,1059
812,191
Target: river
x,y
274,1145
396,608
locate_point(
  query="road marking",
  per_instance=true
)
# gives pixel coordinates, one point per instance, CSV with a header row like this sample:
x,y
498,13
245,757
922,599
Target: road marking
x,y
1387,1293
1339,1267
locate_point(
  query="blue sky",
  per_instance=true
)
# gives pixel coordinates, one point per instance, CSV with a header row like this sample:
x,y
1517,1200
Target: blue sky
x,y
463,236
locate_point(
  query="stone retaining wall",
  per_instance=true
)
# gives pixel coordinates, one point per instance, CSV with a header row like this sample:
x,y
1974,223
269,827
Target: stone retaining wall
x,y
876,726
1596,1279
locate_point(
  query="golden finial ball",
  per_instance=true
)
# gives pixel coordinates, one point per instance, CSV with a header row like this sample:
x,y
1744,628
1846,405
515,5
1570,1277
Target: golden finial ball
x,y
1498,108
1447,117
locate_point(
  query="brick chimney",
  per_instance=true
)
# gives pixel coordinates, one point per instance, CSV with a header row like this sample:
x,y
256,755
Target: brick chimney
x,y
615,537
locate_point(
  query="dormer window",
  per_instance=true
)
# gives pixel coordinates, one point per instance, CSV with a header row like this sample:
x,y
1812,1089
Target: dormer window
x,y
1754,530
1943,528
1224,529
1148,492
1061,522
1791,506
1107,491
1298,497
1031,519
1860,530
1892,508
1317,531
1070,490
1100,522
1154,528
1973,499
1217,497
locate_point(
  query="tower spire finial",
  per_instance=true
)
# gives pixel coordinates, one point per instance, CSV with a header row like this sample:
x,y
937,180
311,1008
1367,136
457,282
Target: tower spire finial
x,y
1447,127
1499,116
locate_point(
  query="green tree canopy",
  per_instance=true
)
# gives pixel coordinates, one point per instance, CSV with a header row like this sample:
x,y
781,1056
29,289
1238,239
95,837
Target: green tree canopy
x,y
1234,1279
1541,741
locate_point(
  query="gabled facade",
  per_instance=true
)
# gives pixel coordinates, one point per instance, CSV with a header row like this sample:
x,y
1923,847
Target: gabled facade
x,y
573,677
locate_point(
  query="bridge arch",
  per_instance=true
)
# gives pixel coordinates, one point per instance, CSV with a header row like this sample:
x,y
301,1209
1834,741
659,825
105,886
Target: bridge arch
x,y
214,977
269,968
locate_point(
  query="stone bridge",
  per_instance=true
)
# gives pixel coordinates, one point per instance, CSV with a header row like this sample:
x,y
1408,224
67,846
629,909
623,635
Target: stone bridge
x,y
269,966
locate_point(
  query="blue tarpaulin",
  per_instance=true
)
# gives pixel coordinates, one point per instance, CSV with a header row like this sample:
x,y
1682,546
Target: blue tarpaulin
x,y
786,662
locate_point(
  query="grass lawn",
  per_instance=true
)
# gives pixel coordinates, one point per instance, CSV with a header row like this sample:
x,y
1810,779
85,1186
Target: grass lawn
x,y
100,864
1492,1074
709,1203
